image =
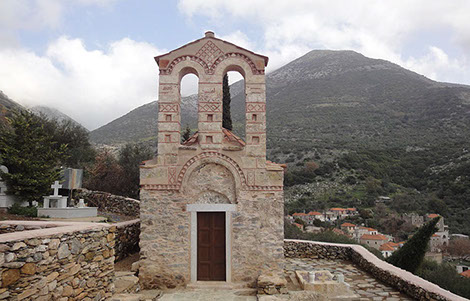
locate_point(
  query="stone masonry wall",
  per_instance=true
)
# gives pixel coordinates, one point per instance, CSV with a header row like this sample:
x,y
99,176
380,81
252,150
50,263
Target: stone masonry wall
x,y
69,262
107,202
127,239
402,280
8,228
165,242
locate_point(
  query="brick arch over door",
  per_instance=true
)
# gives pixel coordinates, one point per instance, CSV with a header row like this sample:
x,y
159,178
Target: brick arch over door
x,y
215,158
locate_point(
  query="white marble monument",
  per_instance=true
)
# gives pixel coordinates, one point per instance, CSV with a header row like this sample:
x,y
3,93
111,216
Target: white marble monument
x,y
55,206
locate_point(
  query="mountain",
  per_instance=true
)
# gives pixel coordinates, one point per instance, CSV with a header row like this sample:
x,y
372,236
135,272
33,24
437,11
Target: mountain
x,y
344,99
333,99
52,113
7,106
140,124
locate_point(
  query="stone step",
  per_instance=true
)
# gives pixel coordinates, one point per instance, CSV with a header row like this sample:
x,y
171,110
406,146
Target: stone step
x,y
124,273
216,285
126,283
127,297
146,295
293,283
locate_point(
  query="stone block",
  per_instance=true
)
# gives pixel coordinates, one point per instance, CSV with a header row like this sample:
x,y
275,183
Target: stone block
x,y
63,251
10,276
29,268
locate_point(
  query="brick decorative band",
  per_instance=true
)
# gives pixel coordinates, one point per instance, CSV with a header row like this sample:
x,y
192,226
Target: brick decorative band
x,y
211,154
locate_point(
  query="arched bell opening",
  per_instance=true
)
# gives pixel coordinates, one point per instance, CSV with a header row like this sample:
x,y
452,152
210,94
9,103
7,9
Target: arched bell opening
x,y
188,98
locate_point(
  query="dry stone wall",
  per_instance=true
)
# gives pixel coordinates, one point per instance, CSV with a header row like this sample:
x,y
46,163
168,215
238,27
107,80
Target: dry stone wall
x,y
127,239
9,228
107,202
72,262
402,280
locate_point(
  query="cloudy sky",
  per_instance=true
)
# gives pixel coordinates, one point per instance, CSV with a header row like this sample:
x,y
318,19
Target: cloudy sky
x,y
93,59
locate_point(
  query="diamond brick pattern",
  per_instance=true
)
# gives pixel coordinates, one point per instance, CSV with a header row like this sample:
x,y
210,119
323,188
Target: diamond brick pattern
x,y
209,52
209,107
255,107
168,107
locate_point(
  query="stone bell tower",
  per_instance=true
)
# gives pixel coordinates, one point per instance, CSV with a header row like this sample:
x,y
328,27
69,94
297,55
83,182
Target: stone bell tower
x,y
212,206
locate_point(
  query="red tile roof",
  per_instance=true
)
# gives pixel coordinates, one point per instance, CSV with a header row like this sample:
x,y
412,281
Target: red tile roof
x,y
387,247
192,140
231,137
283,165
338,209
368,229
433,215
298,226
373,237
314,213
348,225
351,209
466,273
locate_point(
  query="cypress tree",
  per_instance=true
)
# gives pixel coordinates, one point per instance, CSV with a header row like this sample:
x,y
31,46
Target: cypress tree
x,y
411,255
186,134
226,99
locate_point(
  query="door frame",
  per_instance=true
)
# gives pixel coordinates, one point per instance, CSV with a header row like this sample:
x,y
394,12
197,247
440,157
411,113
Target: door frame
x,y
227,208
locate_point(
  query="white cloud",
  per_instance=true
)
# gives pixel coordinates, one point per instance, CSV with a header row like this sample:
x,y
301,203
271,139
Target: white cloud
x,y
35,15
92,86
378,29
437,65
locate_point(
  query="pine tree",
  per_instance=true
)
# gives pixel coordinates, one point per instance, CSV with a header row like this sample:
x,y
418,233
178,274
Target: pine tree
x,y
31,155
411,255
186,134
226,99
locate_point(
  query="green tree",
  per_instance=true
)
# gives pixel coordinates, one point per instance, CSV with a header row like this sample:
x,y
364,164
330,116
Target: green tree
x,y
226,99
31,155
76,137
300,221
130,158
411,255
186,134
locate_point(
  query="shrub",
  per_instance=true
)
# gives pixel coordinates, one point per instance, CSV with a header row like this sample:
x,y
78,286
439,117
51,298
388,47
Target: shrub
x,y
17,209
445,276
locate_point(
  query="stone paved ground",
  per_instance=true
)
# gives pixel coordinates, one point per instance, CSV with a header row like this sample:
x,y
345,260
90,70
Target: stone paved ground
x,y
207,294
363,284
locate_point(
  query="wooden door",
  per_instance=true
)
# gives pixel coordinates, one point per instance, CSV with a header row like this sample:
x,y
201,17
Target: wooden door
x,y
211,246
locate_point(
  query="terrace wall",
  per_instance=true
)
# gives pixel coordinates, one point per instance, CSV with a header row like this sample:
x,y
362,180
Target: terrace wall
x,y
66,261
402,280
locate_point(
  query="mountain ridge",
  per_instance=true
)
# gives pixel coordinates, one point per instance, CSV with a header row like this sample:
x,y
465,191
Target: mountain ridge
x,y
379,103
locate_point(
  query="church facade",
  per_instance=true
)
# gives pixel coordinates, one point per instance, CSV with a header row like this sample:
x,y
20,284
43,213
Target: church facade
x,y
212,206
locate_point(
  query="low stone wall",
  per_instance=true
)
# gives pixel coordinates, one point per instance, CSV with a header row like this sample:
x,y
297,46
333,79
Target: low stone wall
x,y
107,202
66,261
402,280
127,238
8,228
